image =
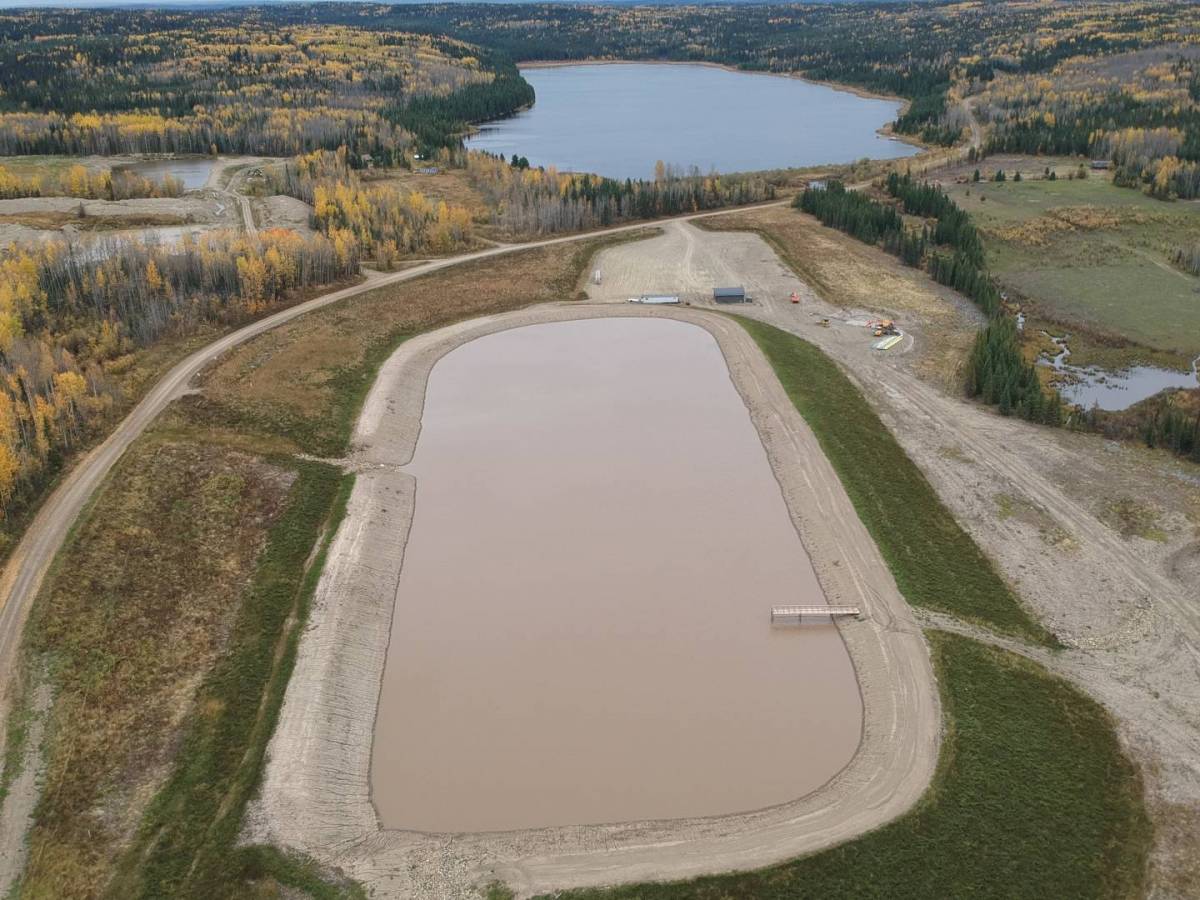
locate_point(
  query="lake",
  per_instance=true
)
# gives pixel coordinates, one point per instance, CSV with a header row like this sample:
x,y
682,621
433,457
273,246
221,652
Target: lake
x,y
582,626
618,120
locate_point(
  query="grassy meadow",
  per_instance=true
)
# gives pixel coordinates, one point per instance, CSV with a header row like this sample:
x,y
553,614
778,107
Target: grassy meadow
x,y
1093,257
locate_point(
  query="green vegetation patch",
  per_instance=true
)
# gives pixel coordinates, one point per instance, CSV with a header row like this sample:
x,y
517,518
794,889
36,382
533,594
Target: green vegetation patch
x,y
1132,519
138,605
1033,798
935,563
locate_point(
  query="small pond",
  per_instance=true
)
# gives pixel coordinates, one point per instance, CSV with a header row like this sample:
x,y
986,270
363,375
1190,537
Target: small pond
x,y
192,171
619,119
1116,390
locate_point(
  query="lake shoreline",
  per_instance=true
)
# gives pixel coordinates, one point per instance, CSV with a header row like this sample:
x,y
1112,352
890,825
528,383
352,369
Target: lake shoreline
x,y
831,139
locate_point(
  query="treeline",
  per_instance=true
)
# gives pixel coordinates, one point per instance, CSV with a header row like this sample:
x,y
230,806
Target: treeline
x,y
527,201
78,181
1150,159
953,227
1163,161
851,211
998,373
1173,429
70,316
385,221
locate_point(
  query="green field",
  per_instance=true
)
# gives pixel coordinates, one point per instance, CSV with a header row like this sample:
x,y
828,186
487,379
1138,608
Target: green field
x,y
1093,257
1032,799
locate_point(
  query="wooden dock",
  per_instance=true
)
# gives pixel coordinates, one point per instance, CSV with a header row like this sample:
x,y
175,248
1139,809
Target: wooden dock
x,y
786,614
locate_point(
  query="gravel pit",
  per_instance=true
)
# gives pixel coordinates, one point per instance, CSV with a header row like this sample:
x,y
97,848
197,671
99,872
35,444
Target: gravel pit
x,y
581,632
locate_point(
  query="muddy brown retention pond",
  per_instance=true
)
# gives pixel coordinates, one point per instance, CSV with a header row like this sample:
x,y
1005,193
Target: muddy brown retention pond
x,y
582,632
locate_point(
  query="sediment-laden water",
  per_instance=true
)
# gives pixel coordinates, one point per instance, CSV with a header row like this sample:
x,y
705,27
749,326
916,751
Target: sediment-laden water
x,y
582,630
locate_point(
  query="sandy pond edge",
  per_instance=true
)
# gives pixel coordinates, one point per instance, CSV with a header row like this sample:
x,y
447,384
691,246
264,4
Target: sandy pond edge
x,y
316,790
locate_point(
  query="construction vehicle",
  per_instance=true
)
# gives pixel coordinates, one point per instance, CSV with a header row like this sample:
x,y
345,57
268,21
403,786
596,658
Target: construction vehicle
x,y
886,328
824,323
795,297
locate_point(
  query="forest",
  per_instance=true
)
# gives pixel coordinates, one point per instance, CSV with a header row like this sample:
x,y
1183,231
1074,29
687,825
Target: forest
x,y
79,181
386,221
529,201
72,317
238,81
1141,111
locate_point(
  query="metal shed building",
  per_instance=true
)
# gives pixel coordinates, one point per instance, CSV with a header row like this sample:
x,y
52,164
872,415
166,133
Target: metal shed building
x,y
729,295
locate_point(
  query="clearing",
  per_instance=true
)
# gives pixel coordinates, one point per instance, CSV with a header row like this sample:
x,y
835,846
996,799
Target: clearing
x,y
1092,257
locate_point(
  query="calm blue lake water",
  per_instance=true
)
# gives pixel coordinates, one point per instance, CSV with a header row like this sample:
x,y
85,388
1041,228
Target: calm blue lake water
x,y
617,120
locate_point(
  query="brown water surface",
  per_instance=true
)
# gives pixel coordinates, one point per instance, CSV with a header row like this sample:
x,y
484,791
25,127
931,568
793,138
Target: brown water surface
x,y
582,630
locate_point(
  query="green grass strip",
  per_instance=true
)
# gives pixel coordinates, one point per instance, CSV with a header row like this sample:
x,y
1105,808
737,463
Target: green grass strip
x,y
935,563
186,844
1032,799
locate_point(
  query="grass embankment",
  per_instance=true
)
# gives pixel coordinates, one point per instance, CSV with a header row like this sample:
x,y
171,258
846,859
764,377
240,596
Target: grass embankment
x,y
935,562
168,625
303,384
1032,799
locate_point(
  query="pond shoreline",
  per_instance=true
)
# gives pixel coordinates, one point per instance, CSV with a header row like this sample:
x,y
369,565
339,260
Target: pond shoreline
x,y
631,481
